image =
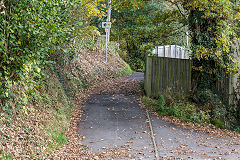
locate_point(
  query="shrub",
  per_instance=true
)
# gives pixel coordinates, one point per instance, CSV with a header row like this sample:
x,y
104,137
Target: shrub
x,y
182,109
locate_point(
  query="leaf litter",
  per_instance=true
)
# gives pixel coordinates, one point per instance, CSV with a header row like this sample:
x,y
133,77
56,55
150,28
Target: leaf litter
x,y
75,150
25,136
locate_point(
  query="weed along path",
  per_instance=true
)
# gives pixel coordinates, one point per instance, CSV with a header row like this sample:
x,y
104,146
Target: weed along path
x,y
113,124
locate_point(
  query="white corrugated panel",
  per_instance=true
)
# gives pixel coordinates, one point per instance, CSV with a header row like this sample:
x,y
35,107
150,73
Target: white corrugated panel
x,y
161,51
172,51
167,51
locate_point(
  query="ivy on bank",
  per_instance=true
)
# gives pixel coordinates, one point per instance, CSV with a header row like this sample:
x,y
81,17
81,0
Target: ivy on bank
x,y
213,26
29,32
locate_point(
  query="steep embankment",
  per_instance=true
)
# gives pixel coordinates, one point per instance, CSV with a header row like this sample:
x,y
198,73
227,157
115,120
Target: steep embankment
x,y
35,130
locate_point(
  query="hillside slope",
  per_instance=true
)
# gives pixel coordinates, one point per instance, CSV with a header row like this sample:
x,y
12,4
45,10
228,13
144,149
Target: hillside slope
x,y
35,130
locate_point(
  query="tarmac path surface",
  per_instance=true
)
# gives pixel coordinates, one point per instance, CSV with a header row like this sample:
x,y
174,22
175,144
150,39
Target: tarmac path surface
x,y
114,124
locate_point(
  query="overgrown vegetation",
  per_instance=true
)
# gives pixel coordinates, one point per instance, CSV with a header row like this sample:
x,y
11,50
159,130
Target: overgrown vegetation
x,y
212,27
183,109
140,25
50,50
49,53
30,32
6,157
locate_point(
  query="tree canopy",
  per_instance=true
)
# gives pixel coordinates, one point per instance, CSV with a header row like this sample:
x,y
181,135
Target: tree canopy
x,y
33,32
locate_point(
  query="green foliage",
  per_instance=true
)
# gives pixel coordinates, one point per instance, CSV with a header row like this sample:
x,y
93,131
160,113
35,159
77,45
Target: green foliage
x,y
5,157
237,129
150,104
186,111
213,102
126,71
141,84
213,26
205,116
161,104
140,25
59,138
181,109
220,123
30,31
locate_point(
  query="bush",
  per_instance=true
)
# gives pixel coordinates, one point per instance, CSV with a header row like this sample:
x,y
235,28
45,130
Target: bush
x,y
37,29
219,123
182,109
213,103
141,85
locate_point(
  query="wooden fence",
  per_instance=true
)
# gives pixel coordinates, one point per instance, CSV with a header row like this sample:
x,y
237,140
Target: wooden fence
x,y
165,75
169,71
229,85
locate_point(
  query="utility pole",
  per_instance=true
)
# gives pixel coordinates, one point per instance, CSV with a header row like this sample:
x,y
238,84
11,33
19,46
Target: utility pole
x,y
109,16
107,26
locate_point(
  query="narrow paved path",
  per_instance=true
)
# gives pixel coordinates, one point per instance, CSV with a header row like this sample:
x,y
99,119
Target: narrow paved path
x,y
115,121
115,126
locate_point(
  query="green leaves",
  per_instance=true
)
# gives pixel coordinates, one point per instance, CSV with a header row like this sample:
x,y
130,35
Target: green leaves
x,y
138,30
213,28
30,31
